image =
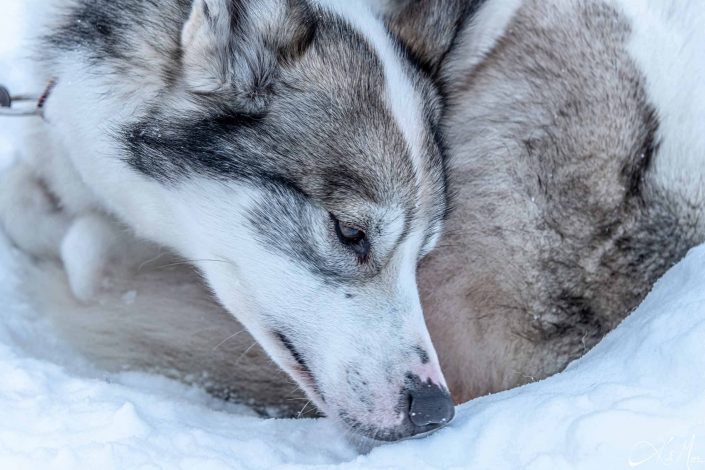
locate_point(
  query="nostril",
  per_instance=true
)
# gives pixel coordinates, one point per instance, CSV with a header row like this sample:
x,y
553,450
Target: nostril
x,y
430,406
426,407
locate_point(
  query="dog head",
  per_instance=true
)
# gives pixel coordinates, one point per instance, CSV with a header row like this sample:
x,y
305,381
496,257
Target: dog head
x,y
297,154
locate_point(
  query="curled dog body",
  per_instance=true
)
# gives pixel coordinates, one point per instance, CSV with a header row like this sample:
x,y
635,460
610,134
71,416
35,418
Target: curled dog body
x,y
576,160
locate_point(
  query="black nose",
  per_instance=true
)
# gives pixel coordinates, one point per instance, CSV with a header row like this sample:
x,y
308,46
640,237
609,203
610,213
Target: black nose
x,y
430,407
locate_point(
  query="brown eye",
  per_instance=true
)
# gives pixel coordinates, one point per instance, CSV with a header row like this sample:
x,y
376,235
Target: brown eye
x,y
352,237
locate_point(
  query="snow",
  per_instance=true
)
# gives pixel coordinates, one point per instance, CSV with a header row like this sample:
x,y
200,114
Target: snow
x,y
635,401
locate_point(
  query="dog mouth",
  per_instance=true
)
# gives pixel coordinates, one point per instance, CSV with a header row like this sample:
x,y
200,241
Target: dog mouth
x,y
300,367
426,407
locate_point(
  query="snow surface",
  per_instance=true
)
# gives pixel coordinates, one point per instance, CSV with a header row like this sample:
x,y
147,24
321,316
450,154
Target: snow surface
x,y
635,401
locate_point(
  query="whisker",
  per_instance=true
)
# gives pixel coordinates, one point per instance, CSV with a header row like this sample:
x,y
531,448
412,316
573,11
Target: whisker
x,y
302,409
151,260
246,351
227,339
190,262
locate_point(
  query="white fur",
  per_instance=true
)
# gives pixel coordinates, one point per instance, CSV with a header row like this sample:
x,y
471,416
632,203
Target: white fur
x,y
668,40
91,151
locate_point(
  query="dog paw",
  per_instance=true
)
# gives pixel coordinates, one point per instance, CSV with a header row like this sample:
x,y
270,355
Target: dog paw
x,y
29,214
96,251
89,253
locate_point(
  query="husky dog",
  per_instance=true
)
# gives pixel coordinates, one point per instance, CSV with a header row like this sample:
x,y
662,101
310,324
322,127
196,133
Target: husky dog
x,y
575,132
575,147
288,149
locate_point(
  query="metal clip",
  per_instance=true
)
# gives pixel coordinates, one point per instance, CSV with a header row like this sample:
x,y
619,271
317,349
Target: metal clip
x,y
18,105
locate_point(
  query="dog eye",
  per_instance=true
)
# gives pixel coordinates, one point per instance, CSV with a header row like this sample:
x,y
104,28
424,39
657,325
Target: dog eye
x,y
352,237
348,233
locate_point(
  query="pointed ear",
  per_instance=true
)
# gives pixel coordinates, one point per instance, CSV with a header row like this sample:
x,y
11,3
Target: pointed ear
x,y
431,28
204,41
426,27
235,46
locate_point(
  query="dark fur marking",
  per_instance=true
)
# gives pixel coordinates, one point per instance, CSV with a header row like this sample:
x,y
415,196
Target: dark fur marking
x,y
301,361
636,169
423,355
101,30
294,353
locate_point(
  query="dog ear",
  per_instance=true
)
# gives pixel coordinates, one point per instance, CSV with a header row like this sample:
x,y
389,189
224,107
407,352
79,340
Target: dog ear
x,y
236,46
426,27
431,28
